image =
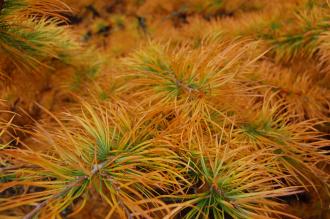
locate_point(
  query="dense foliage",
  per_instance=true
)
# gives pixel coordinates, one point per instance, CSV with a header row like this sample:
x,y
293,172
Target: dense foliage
x,y
164,109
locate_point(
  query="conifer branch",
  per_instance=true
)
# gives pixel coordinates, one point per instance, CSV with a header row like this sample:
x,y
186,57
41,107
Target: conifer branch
x,y
78,182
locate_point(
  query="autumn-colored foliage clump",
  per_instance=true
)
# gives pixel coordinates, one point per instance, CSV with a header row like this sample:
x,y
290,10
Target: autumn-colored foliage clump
x,y
164,109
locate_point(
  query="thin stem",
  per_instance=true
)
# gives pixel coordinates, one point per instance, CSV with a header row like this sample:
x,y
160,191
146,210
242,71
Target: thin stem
x,y
44,203
3,169
79,181
120,202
